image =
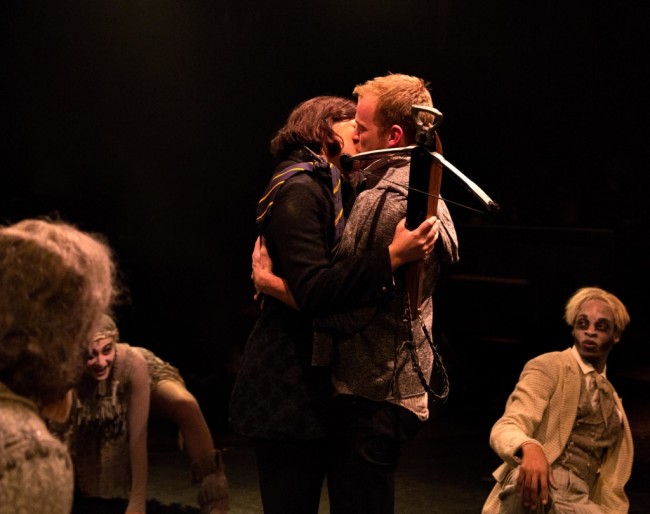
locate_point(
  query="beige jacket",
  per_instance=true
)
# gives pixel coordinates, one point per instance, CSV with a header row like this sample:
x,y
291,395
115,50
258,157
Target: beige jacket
x,y
542,409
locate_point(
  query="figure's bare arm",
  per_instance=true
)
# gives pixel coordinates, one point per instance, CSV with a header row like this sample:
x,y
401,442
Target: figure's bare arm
x,y
137,415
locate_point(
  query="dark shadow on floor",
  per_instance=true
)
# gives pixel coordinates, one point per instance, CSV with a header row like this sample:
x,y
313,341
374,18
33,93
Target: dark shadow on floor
x,y
446,469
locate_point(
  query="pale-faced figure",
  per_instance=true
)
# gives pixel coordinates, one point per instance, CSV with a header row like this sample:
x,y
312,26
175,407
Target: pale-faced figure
x,y
100,358
594,332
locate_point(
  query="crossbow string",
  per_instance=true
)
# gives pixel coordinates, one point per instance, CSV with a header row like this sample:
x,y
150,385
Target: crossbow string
x,y
425,179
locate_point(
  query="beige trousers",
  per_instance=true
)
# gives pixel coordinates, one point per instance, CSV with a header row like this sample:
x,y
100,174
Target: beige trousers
x,y
570,497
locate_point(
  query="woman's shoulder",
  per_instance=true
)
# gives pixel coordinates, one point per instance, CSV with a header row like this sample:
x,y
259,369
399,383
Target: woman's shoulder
x,y
304,181
302,194
128,353
23,431
129,360
43,461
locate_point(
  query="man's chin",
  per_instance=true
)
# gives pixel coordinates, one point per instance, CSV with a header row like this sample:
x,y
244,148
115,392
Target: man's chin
x,y
589,348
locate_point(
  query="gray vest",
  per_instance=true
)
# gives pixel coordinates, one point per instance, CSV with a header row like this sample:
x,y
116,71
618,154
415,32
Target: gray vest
x,y
595,430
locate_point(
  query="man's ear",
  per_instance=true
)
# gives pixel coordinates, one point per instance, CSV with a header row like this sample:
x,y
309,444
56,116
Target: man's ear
x,y
395,137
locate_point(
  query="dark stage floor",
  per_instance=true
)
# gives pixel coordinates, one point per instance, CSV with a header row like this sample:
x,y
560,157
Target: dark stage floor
x,y
445,470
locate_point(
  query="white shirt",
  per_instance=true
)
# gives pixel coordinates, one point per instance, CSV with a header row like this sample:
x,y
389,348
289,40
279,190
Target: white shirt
x,y
589,371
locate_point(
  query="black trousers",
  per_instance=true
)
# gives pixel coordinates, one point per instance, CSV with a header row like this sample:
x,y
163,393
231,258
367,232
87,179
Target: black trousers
x,y
365,442
291,475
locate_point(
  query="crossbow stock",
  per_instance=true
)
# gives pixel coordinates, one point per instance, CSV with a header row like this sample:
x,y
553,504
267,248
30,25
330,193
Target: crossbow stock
x,y
425,179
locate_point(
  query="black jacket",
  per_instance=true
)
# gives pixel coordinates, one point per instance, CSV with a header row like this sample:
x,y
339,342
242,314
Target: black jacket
x,y
278,394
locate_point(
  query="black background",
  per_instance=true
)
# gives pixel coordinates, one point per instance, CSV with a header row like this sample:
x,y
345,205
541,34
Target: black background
x,y
149,122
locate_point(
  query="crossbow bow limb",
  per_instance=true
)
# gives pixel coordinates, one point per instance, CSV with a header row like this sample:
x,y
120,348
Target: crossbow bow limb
x,y
425,179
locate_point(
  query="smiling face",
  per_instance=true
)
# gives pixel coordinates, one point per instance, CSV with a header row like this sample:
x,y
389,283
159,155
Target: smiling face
x,y
100,358
594,333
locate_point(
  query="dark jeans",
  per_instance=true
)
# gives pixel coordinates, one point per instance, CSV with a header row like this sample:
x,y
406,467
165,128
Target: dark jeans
x,y
291,475
365,444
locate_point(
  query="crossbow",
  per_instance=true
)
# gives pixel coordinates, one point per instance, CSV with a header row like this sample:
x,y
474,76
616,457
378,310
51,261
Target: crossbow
x,y
425,178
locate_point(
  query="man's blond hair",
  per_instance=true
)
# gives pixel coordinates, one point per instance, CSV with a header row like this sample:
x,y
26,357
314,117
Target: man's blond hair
x,y
396,93
621,316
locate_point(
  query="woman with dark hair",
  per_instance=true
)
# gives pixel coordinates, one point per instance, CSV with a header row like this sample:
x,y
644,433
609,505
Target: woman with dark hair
x,y
280,396
55,283
323,124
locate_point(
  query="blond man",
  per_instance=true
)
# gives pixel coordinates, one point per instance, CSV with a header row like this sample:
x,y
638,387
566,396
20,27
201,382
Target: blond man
x,y
564,438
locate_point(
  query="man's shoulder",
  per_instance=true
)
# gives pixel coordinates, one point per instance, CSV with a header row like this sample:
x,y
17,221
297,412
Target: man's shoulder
x,y
399,168
552,360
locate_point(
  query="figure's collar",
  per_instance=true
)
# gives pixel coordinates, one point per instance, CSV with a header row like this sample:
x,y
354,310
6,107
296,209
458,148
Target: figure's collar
x,y
585,366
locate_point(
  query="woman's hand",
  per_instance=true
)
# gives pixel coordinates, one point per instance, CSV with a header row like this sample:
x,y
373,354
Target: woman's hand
x,y
266,282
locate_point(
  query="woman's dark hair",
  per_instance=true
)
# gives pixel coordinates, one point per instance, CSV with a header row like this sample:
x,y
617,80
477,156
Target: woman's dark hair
x,y
310,125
